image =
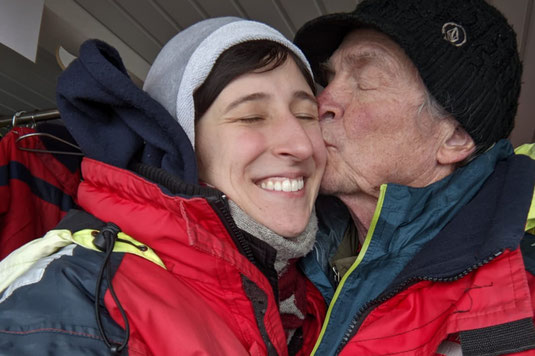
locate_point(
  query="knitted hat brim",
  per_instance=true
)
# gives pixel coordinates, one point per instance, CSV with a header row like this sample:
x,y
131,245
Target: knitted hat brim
x,y
464,50
186,60
319,38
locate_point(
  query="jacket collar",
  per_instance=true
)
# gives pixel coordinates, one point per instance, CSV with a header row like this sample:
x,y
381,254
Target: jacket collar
x,y
491,222
407,212
411,217
172,223
407,219
416,232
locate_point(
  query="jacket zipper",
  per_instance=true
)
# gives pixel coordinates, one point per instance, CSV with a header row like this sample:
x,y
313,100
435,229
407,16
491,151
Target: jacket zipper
x,y
339,279
367,308
220,206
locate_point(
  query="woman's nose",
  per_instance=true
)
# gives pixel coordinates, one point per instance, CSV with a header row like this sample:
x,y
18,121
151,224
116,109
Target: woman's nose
x,y
293,139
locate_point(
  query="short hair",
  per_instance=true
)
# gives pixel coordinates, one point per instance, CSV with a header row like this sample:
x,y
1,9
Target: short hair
x,y
264,55
433,107
437,112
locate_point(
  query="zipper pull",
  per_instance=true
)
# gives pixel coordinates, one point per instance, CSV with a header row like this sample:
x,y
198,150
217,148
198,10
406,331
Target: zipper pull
x,y
336,275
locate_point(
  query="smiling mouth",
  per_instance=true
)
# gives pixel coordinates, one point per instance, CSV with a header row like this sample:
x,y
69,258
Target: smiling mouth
x,y
283,184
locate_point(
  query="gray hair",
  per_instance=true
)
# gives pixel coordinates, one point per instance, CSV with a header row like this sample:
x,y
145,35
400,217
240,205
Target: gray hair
x,y
437,112
433,107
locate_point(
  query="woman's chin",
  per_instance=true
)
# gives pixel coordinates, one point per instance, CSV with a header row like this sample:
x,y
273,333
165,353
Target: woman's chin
x,y
289,230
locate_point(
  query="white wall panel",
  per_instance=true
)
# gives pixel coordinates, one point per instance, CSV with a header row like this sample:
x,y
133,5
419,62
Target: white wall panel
x,y
517,14
339,5
220,8
300,11
268,12
524,131
67,24
25,85
183,12
121,24
24,94
152,18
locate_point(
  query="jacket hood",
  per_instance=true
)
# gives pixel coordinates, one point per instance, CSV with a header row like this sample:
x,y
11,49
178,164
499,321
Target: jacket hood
x,y
114,121
186,60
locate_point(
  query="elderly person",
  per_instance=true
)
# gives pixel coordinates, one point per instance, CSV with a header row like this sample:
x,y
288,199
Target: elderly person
x,y
206,267
434,254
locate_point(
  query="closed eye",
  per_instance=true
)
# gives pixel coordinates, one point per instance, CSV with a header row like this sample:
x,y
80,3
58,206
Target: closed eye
x,y
307,117
366,86
250,119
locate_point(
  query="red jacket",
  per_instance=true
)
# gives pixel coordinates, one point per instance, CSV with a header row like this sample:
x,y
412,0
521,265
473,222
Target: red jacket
x,y
199,303
497,293
209,299
36,190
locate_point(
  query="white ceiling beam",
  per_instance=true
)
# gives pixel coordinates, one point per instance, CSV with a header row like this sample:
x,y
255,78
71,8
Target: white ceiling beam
x,y
67,24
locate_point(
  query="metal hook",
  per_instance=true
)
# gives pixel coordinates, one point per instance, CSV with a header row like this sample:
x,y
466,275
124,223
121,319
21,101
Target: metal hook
x,y
14,119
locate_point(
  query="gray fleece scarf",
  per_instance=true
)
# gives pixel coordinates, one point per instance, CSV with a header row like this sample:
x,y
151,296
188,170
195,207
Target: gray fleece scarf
x,y
292,303
286,248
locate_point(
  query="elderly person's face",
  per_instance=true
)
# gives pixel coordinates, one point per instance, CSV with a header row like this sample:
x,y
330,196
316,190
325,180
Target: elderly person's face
x,y
260,143
372,119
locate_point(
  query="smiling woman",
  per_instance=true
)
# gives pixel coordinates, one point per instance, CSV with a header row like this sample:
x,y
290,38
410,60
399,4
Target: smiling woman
x,y
206,266
259,141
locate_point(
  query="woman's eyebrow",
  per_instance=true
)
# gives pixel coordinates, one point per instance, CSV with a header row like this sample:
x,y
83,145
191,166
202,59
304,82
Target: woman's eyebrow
x,y
300,94
246,98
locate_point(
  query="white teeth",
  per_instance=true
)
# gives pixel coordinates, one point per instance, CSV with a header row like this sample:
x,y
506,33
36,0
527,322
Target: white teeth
x,y
283,184
286,186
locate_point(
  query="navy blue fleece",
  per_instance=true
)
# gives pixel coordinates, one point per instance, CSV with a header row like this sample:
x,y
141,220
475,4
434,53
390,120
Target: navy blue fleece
x,y
116,122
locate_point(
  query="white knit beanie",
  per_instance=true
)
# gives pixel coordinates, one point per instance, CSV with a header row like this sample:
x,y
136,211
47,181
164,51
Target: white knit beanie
x,y
187,59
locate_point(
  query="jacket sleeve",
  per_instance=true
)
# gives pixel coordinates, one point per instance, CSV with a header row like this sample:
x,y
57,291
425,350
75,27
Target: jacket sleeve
x,y
49,308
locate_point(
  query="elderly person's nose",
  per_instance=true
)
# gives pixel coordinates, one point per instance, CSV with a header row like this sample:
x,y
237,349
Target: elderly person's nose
x,y
329,107
292,139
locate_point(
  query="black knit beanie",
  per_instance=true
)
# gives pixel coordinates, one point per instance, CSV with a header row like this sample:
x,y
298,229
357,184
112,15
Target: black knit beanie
x,y
464,50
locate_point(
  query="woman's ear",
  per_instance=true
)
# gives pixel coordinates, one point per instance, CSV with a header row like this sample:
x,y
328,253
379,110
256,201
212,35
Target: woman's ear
x,y
457,146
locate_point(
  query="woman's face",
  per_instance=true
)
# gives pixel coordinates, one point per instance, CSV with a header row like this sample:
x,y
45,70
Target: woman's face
x,y
260,143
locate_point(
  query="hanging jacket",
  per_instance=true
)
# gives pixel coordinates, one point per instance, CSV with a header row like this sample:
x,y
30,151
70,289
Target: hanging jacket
x,y
438,263
36,190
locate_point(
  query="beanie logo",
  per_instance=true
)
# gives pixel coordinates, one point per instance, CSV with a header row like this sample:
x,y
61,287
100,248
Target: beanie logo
x,y
454,33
